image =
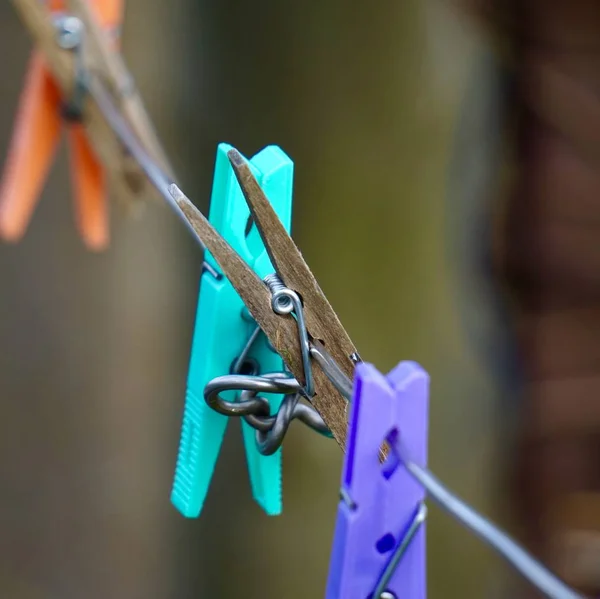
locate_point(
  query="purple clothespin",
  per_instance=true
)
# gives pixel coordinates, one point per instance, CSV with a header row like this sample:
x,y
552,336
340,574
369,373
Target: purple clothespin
x,y
379,543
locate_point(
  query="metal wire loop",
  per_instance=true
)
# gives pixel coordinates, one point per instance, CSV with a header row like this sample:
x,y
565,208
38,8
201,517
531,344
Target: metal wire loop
x,y
256,410
276,382
271,430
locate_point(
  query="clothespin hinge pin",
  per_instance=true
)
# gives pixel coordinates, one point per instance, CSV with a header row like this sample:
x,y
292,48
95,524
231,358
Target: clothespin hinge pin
x,y
70,37
285,301
70,31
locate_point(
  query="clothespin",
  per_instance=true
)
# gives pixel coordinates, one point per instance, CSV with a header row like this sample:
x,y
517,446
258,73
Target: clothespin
x,y
315,329
37,132
76,42
222,331
379,543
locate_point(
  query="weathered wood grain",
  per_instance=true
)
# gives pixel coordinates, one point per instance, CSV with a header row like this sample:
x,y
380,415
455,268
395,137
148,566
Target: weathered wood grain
x,y
322,322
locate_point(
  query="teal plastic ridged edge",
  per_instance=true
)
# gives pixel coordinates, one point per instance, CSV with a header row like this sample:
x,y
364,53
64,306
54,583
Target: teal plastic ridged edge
x,y
221,333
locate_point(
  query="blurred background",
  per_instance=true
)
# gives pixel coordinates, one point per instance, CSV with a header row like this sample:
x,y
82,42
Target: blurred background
x,y
377,106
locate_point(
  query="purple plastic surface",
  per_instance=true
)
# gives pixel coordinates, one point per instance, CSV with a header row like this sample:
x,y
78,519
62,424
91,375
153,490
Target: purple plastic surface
x,y
381,499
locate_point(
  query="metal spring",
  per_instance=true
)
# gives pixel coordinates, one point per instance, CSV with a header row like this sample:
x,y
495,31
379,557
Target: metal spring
x,y
286,301
254,409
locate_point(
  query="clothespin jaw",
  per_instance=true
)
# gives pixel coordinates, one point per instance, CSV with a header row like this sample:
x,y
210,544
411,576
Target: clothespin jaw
x,y
379,543
222,331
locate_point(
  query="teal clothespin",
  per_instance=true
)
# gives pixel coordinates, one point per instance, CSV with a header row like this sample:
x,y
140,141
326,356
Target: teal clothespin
x,y
221,333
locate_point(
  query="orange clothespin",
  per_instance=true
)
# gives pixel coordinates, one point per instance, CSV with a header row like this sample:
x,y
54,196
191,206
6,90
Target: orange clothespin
x,y
37,131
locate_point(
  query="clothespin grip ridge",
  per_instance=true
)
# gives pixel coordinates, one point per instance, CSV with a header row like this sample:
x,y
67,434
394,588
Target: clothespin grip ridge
x,y
379,543
222,331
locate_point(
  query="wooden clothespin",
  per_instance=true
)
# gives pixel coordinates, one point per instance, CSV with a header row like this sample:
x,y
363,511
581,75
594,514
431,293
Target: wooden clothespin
x,y
58,70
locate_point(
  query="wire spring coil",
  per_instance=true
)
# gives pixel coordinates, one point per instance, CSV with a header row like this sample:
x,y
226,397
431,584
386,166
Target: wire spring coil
x,y
252,407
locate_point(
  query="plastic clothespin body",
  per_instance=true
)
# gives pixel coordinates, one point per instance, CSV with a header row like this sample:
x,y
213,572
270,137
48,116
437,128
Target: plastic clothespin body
x,y
221,332
381,503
